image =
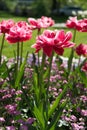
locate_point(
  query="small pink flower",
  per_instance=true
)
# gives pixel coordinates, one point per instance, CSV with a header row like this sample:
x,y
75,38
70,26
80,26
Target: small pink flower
x,y
76,126
6,96
10,128
78,109
53,40
2,119
66,118
18,92
12,109
73,118
23,127
84,113
5,25
81,49
30,120
18,99
83,97
19,32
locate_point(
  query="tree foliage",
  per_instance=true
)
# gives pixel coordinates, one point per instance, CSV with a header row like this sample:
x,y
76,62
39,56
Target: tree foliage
x,y
82,3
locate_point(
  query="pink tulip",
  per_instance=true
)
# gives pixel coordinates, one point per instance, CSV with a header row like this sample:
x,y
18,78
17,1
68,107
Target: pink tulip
x,y
5,25
19,32
84,67
72,22
35,24
81,49
43,22
82,25
53,41
47,21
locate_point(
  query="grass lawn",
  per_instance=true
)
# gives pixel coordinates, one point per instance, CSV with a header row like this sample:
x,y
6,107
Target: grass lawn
x,y
10,48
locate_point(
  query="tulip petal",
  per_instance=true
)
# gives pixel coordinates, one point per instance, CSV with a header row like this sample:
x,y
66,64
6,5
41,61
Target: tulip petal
x,y
59,51
37,46
60,35
68,36
48,50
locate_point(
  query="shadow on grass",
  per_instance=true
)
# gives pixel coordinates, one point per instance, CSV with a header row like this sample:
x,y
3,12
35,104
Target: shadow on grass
x,y
5,14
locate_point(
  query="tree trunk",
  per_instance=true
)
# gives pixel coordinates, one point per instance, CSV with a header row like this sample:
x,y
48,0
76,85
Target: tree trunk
x,y
54,5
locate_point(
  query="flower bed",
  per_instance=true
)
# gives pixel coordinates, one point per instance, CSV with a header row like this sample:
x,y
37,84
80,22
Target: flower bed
x,y
43,91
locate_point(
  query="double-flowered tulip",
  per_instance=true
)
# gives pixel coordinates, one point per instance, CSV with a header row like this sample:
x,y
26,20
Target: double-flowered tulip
x,y
51,41
43,22
19,32
5,25
81,49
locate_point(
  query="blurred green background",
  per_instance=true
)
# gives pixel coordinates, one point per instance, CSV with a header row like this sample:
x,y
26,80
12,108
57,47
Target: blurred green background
x,y
38,8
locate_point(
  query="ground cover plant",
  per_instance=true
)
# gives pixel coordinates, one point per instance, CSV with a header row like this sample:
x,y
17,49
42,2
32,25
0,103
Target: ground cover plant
x,y
43,90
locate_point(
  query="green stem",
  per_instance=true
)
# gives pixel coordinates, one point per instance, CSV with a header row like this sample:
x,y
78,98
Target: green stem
x,y
38,59
26,97
42,64
71,55
49,73
17,56
2,47
74,36
41,74
21,55
38,33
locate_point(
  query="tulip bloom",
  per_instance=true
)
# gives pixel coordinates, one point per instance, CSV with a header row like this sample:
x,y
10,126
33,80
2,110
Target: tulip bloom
x,y
82,25
84,67
72,22
43,22
53,41
5,25
19,32
81,49
48,22
35,24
